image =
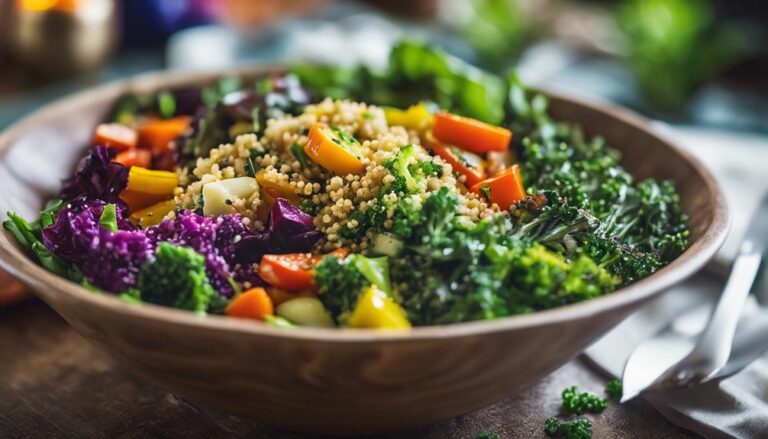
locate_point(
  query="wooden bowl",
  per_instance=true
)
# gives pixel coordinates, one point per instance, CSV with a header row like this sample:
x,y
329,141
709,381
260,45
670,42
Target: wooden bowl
x,y
330,380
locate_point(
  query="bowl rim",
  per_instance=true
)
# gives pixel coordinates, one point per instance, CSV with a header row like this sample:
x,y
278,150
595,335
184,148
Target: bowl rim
x,y
19,265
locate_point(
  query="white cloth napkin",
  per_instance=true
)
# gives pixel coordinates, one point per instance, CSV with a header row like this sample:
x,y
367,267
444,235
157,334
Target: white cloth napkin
x,y
736,406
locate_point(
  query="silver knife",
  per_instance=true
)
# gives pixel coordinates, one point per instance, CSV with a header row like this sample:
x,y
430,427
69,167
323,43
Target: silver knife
x,y
670,361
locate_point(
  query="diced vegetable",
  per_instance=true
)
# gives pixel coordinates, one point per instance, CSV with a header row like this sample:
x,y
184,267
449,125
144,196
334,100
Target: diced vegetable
x,y
252,304
376,270
140,200
134,157
470,134
306,311
280,295
152,182
270,191
504,189
115,135
376,310
333,150
466,163
153,214
157,134
293,271
218,196
416,117
386,244
108,218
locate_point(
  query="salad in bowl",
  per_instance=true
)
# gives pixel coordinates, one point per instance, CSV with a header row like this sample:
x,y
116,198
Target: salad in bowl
x,y
429,193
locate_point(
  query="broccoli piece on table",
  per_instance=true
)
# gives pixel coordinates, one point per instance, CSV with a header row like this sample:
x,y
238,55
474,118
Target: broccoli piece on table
x,y
614,389
577,402
176,277
579,428
487,435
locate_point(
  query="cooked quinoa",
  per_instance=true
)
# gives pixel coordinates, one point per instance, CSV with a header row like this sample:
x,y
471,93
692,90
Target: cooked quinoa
x,y
331,197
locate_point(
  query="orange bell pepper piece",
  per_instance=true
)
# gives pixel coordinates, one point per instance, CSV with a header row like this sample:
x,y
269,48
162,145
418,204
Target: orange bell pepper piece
x,y
251,304
470,134
157,134
333,150
115,135
504,189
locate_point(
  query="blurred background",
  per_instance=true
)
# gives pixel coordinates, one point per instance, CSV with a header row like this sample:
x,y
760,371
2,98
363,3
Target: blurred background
x,y
697,67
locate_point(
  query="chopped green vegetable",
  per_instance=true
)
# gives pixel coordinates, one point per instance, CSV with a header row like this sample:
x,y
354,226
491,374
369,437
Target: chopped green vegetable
x,y
176,277
339,285
108,218
577,402
613,388
487,435
579,428
301,156
166,104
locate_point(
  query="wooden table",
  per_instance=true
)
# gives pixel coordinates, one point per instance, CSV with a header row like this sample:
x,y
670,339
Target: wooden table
x,y
54,384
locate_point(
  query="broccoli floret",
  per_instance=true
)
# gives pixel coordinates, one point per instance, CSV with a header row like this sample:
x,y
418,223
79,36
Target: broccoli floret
x,y
614,389
541,279
176,277
426,168
404,182
579,428
487,435
577,402
339,284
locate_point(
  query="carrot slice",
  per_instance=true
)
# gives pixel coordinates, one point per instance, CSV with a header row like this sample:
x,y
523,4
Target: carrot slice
x,y
115,135
251,304
465,163
157,134
134,157
470,134
504,189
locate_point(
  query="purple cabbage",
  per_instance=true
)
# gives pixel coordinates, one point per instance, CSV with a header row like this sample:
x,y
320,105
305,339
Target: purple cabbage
x,y
214,238
110,261
290,231
97,176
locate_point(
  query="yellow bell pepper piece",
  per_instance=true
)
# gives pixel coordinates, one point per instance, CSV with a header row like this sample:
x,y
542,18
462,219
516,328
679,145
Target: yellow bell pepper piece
x,y
416,117
333,150
152,182
154,214
376,310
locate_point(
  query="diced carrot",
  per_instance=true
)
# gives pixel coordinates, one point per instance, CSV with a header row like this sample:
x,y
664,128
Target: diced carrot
x,y
470,134
504,189
157,134
251,304
115,135
134,157
465,163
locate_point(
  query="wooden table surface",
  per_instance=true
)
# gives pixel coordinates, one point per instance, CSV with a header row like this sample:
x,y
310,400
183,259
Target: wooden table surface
x,y
55,384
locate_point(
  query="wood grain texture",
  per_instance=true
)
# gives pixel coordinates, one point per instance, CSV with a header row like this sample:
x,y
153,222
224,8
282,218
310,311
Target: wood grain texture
x,y
53,384
328,380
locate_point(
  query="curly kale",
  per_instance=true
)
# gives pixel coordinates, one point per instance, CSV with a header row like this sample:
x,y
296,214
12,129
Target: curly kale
x,y
176,277
451,270
586,175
